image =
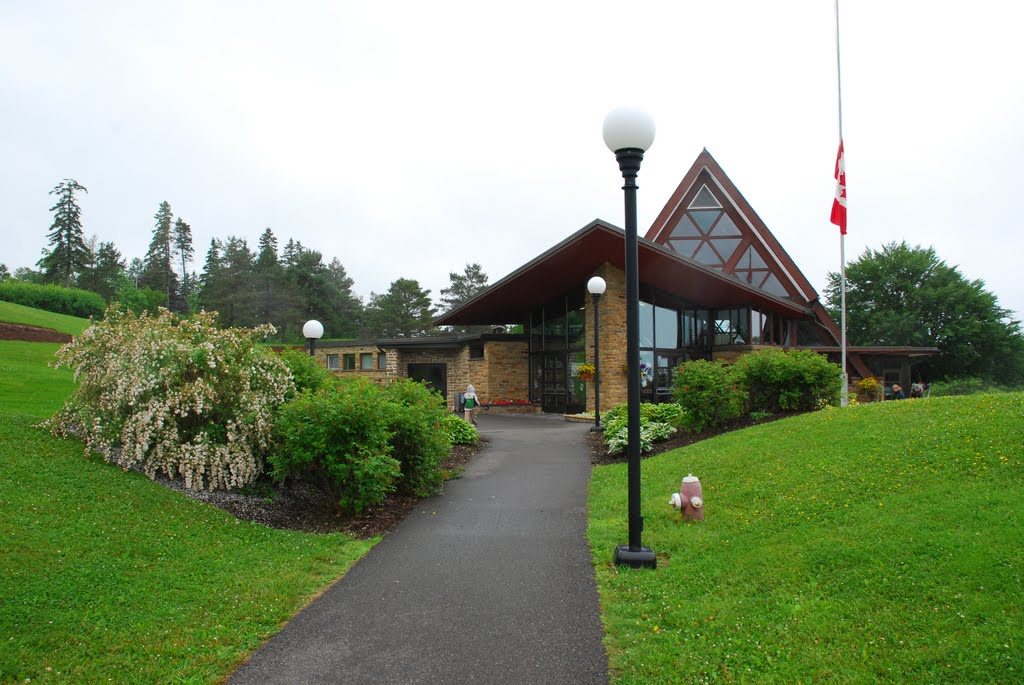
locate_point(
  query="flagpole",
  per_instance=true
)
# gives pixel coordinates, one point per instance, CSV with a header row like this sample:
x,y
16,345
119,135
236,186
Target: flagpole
x,y
844,393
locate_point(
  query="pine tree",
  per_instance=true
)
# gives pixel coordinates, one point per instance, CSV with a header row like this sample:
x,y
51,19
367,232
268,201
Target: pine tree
x,y
105,273
404,310
158,271
67,255
182,237
464,287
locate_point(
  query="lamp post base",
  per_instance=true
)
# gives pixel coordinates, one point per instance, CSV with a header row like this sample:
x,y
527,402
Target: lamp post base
x,y
596,429
641,558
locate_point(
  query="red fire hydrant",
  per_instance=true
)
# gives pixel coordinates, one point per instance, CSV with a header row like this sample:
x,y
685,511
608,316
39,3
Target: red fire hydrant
x,y
691,499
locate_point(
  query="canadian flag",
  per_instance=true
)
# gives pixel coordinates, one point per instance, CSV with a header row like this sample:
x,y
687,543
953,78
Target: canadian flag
x,y
839,204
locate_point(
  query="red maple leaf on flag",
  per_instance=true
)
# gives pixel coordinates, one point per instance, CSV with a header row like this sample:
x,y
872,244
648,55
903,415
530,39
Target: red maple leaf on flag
x,y
839,204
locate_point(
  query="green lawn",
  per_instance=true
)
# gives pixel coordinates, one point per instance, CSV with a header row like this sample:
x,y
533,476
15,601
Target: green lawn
x,y
106,576
28,385
878,543
16,313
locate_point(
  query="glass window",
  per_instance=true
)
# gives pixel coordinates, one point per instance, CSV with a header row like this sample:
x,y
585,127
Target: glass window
x,y
704,199
332,361
808,334
726,246
731,327
704,218
725,228
476,351
348,362
773,286
695,328
646,324
577,326
757,327
382,360
685,229
666,328
366,361
705,255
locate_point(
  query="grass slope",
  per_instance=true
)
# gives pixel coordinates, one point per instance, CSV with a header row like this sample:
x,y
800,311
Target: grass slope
x,y
27,316
28,385
106,576
878,543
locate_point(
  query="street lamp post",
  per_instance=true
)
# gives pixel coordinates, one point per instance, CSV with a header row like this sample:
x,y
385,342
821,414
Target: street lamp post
x,y
596,286
312,331
629,132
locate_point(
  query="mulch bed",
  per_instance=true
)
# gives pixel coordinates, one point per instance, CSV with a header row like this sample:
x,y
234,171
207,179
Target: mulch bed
x,y
304,508
14,331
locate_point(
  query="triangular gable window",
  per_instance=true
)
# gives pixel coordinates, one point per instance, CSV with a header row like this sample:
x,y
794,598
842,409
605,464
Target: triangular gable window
x,y
705,255
725,228
705,200
726,246
704,218
685,229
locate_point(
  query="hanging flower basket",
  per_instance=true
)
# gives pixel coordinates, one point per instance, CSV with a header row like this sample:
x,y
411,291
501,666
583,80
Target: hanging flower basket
x,y
585,372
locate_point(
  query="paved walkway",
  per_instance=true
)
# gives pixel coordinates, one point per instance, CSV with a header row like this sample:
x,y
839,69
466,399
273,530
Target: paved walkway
x,y
490,583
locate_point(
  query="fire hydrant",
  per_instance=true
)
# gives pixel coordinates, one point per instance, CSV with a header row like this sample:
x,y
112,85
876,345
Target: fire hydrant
x,y
691,499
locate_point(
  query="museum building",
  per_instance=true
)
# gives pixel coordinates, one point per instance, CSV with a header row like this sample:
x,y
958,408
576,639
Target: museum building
x,y
714,284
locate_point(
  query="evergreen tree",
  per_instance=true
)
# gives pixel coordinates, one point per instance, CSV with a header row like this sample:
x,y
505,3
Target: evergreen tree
x,y
274,301
182,238
67,255
105,273
404,310
4,273
906,295
345,309
464,287
158,270
235,284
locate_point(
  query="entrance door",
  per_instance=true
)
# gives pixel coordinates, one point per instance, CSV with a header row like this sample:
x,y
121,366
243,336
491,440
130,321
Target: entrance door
x,y
554,382
434,375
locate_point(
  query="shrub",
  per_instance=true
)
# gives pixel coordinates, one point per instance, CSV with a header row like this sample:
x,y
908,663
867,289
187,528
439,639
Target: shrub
x,y
655,425
53,298
709,392
178,396
459,432
338,438
415,414
616,436
788,380
966,386
307,373
666,412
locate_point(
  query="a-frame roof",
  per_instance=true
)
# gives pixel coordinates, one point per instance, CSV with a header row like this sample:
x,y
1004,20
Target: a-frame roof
x,y
570,263
708,220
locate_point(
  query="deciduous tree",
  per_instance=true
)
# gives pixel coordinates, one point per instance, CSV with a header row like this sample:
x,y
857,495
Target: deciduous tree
x,y
904,295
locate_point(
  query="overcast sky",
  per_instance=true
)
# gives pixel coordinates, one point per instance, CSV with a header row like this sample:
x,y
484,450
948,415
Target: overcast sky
x,y
408,139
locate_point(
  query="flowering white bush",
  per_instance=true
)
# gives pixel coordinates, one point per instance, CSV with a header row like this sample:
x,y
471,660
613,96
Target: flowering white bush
x,y
180,396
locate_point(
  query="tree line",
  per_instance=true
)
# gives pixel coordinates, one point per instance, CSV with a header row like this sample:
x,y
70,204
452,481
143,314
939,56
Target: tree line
x,y
245,286
897,296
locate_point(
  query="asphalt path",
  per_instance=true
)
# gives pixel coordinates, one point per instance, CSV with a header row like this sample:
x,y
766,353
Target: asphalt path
x,y
489,583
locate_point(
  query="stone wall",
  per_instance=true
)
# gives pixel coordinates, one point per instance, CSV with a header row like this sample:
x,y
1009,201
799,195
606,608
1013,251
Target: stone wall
x,y
612,342
455,361
507,366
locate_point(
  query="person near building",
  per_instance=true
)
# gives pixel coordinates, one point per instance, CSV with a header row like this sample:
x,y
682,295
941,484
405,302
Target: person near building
x,y
470,404
897,393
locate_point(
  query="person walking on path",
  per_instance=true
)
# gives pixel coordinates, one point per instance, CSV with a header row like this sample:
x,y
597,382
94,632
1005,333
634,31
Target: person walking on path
x,y
470,403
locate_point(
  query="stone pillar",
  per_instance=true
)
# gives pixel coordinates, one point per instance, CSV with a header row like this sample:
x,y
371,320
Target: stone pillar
x,y
613,338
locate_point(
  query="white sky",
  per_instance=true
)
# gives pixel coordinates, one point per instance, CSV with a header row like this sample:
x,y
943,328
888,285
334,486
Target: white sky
x,y
409,138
